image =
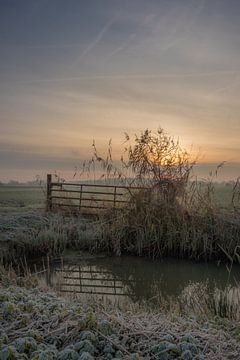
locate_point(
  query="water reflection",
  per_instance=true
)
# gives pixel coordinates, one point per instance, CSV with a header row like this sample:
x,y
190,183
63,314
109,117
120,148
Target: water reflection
x,y
88,279
140,280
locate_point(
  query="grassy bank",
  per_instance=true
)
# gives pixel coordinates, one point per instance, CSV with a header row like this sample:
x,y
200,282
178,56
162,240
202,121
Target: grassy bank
x,y
172,230
36,324
37,233
155,232
201,224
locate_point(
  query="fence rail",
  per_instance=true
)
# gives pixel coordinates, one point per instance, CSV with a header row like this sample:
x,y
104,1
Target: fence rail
x,y
86,197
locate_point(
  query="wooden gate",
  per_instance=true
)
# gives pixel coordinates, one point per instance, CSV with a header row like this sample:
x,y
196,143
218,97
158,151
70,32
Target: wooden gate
x,y
87,197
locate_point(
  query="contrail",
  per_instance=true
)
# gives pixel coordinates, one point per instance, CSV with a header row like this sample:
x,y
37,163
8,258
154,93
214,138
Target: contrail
x,y
188,24
92,45
123,45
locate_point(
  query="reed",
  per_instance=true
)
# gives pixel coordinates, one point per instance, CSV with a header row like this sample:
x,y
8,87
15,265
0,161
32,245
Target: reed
x,y
165,229
177,215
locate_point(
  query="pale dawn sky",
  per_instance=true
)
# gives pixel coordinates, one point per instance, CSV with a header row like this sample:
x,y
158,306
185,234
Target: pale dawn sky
x,y
74,70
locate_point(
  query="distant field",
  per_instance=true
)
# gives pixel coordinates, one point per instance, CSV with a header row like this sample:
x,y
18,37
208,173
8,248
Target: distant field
x,y
223,194
21,198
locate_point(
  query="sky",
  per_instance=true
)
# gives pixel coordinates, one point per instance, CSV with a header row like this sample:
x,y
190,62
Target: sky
x,y
76,70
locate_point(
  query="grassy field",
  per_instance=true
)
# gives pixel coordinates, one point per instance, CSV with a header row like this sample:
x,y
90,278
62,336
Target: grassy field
x,y
201,231
18,198
223,194
153,231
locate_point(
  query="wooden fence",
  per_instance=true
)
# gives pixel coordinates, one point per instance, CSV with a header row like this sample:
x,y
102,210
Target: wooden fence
x,y
87,197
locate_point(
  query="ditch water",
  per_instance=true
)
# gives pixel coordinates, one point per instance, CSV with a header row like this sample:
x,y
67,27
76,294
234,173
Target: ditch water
x,y
136,279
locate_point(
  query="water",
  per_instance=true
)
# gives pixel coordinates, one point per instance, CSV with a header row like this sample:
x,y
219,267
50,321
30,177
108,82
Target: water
x,y
138,280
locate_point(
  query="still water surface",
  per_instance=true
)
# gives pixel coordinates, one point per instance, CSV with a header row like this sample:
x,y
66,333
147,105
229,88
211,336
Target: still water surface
x,y
136,279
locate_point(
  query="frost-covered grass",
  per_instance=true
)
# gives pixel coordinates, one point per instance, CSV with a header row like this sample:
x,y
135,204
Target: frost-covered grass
x,y
21,198
35,233
36,324
148,231
193,226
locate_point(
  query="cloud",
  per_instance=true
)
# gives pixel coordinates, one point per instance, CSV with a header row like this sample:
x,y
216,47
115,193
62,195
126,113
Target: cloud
x,y
231,85
43,46
131,76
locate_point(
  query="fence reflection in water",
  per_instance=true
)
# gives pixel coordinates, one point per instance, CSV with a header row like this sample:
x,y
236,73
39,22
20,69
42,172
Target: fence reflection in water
x,y
89,280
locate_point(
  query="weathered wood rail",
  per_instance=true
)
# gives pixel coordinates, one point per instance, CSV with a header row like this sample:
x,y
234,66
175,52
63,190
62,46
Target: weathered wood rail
x,y
87,197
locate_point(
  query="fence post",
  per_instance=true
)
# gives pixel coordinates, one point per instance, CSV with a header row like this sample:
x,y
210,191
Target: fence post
x,y
49,192
80,196
114,197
